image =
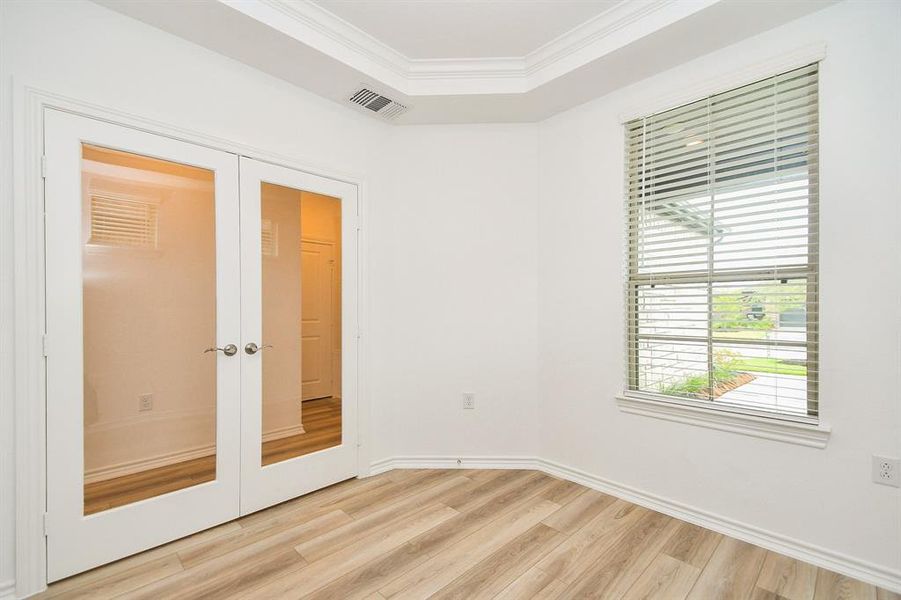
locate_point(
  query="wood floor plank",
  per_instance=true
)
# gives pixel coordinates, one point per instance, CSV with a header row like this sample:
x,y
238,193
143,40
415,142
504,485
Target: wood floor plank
x,y
340,537
243,566
501,483
616,570
491,575
364,550
762,594
215,580
582,509
666,578
319,499
692,544
561,491
447,565
305,525
731,573
832,586
374,500
120,582
787,578
362,581
576,555
534,584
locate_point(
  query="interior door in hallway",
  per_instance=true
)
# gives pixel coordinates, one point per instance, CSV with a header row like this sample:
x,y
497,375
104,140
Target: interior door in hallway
x,y
319,274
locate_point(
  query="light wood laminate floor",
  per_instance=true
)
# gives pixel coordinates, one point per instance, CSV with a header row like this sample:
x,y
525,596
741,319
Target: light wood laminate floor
x,y
461,534
322,429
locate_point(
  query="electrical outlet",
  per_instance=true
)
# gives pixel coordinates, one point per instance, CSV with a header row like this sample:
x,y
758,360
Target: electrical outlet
x,y
469,400
145,402
887,471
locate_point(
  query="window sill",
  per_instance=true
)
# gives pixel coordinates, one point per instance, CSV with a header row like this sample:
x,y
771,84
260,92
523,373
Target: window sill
x,y
792,432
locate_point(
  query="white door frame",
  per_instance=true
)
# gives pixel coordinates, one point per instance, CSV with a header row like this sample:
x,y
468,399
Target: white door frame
x,y
28,106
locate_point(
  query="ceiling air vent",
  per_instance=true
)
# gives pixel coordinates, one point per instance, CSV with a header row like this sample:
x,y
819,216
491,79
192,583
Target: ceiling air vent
x,y
382,106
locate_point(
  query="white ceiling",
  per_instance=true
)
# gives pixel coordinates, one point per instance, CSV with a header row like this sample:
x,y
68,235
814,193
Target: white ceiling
x,y
429,29
465,61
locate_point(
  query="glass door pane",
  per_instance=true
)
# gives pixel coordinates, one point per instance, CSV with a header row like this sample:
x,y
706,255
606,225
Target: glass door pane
x,y
149,310
301,322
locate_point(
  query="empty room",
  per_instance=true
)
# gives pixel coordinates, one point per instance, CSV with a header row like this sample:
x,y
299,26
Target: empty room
x,y
474,299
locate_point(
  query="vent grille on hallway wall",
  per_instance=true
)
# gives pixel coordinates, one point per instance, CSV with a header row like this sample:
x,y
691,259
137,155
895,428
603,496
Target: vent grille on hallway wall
x,y
381,105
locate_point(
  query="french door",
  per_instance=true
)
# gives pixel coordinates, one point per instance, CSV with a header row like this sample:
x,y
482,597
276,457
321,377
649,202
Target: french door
x,y
280,210
175,339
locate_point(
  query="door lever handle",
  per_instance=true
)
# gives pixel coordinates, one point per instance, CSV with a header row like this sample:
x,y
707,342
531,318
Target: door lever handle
x,y
252,348
229,350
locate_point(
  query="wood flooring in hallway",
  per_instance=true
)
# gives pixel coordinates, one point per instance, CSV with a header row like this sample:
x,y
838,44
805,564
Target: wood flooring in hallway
x,y
322,429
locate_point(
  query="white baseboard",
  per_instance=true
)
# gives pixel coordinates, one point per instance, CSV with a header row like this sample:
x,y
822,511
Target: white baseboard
x,y
443,462
164,460
878,575
277,434
144,464
8,589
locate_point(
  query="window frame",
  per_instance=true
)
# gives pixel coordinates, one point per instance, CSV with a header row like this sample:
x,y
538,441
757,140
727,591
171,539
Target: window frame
x,y
745,419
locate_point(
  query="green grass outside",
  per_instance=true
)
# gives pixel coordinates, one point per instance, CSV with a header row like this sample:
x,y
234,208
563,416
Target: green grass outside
x,y
694,384
766,365
727,370
749,334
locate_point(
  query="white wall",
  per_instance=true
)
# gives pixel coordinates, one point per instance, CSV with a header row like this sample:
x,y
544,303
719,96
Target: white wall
x,y
453,284
820,497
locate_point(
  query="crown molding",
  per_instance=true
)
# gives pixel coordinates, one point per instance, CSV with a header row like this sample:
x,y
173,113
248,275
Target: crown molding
x,y
311,24
337,29
591,31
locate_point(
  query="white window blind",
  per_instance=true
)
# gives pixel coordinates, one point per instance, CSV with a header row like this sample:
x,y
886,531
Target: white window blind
x,y
123,222
722,215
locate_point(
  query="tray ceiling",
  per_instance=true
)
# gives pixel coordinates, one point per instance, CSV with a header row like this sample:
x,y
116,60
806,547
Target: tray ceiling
x,y
464,61
426,29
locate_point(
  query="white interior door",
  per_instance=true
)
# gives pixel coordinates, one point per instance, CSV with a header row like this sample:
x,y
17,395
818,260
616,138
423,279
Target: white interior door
x,y
318,271
289,447
143,276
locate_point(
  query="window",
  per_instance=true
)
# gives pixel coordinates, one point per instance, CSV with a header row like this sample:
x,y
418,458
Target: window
x,y
722,215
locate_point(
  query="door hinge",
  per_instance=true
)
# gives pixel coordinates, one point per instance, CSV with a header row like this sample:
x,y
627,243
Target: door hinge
x,y
44,166
44,345
46,524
